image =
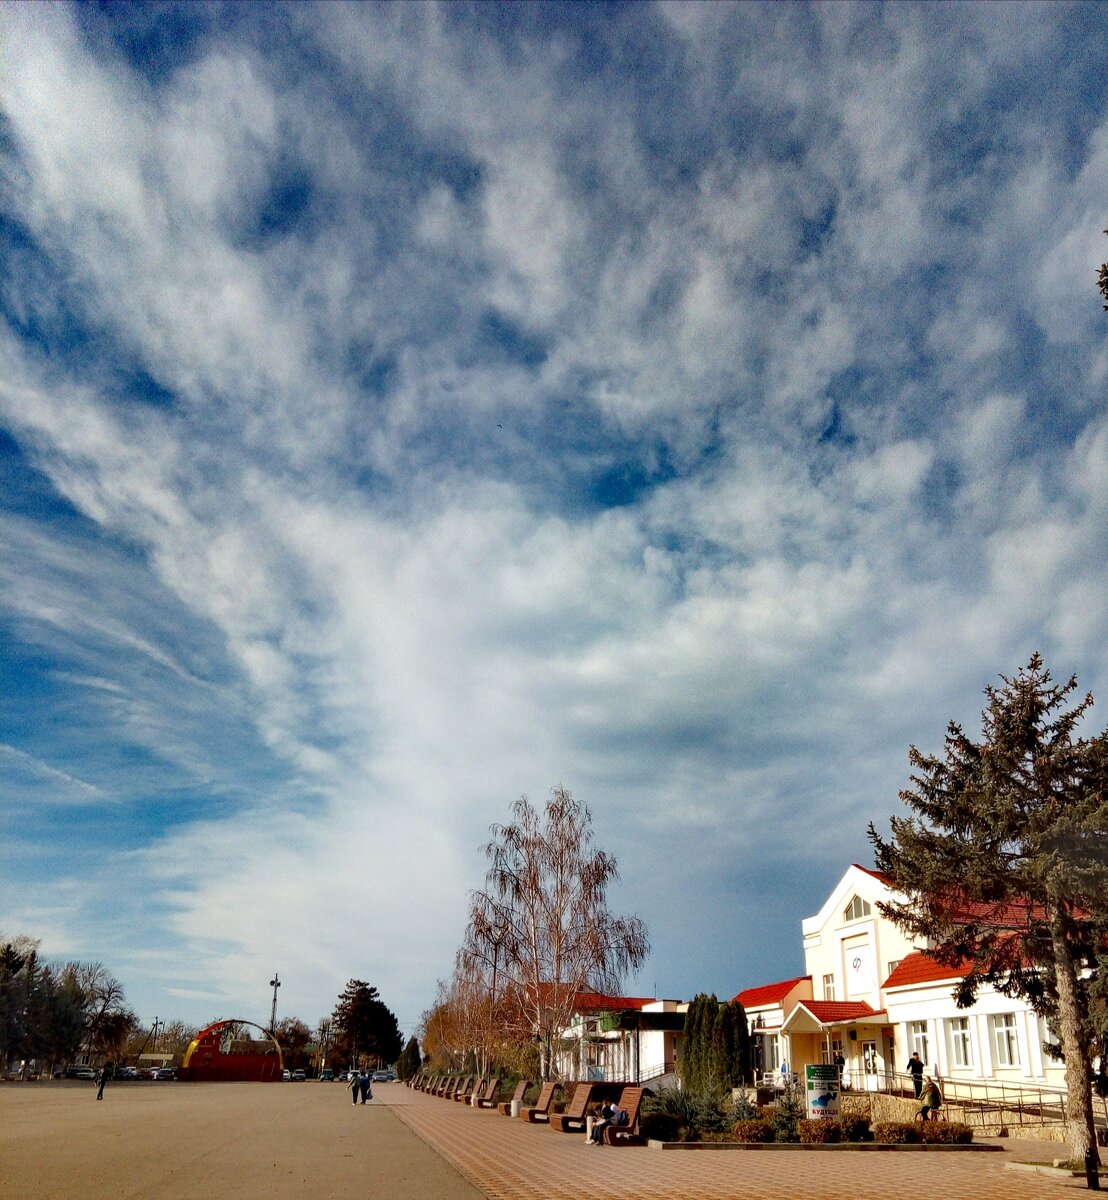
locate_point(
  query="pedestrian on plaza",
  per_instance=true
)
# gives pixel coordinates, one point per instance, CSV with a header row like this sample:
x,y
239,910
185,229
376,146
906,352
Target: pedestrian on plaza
x,y
105,1075
915,1065
367,1089
355,1086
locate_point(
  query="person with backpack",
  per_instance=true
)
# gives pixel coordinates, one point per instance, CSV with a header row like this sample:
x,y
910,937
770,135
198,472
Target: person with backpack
x,y
932,1100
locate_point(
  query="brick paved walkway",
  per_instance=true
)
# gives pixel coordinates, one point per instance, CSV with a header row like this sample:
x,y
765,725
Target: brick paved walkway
x,y
510,1160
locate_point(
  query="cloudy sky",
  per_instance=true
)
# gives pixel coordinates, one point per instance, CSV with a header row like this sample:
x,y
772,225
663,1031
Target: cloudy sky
x,y
406,408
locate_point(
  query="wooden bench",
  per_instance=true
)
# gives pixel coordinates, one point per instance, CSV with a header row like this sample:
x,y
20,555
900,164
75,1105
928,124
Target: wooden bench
x,y
540,1111
573,1119
504,1108
627,1134
462,1095
487,1098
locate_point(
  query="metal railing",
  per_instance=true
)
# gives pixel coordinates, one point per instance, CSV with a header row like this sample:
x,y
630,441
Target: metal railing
x,y
988,1102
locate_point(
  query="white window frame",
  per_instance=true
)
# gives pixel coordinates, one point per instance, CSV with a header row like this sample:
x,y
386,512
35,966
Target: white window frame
x,y
857,909
917,1039
1006,1046
961,1042
829,987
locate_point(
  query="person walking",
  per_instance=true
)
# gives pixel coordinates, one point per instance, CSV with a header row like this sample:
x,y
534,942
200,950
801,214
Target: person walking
x,y
355,1086
915,1066
105,1075
367,1089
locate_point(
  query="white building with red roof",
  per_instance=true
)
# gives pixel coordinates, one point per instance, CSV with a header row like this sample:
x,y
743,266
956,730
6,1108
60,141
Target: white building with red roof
x,y
874,997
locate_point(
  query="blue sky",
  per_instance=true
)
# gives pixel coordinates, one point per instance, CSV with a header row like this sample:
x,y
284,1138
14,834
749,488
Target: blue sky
x,y
404,408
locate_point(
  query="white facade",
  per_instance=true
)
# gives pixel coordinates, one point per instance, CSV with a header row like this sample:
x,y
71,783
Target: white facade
x,y
875,998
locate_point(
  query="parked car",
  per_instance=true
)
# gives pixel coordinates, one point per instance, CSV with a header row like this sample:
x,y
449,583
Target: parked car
x,y
80,1073
326,1075
286,1075
298,1076
383,1076
165,1073
126,1073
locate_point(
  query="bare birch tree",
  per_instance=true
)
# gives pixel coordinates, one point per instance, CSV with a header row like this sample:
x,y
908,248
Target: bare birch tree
x,y
541,932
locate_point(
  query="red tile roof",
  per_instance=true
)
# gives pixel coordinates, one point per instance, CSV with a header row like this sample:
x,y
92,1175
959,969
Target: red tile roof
x,y
769,993
830,1012
922,968
595,1001
589,1001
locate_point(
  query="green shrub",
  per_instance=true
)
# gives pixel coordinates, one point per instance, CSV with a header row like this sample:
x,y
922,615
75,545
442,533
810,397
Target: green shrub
x,y
896,1132
753,1131
743,1110
945,1133
787,1112
661,1127
696,1113
855,1128
820,1131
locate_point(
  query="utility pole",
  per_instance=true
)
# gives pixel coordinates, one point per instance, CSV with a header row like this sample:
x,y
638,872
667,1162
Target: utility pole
x,y
274,983
154,1035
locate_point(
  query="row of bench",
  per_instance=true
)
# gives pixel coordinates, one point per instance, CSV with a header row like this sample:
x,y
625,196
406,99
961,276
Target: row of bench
x,y
484,1093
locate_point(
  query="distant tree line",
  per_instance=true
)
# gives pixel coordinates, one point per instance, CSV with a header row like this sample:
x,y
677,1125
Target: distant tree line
x,y
52,1014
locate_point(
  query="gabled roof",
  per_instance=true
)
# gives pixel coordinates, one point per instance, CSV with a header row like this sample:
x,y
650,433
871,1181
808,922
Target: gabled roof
x,y
813,1016
831,1012
918,967
769,993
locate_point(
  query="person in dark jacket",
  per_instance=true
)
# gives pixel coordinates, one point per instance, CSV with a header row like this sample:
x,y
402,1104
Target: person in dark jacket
x,y
105,1075
915,1065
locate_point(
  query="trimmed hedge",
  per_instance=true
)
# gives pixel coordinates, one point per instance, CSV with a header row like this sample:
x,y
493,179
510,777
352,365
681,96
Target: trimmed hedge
x,y
821,1130
855,1128
892,1133
753,1131
945,1133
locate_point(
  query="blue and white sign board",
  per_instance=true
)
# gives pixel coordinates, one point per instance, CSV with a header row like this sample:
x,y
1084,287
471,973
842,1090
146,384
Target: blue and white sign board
x,y
822,1086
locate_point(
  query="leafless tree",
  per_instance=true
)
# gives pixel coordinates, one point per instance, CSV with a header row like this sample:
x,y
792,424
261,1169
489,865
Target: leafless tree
x,y
541,932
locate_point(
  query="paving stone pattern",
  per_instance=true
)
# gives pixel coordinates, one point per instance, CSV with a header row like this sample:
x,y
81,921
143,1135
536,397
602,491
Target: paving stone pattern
x,y
511,1160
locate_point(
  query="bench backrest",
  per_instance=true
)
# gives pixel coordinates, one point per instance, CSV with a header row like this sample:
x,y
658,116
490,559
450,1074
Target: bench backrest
x,y
630,1099
491,1088
521,1090
546,1098
582,1094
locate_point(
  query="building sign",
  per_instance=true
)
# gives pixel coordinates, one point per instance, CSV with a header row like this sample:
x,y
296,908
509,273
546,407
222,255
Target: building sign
x,y
822,1087
861,969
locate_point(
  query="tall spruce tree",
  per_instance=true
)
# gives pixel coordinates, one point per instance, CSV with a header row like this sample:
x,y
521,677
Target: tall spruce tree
x,y
1004,866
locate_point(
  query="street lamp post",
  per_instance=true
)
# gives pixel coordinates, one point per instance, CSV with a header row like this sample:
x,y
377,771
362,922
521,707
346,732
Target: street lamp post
x,y
274,983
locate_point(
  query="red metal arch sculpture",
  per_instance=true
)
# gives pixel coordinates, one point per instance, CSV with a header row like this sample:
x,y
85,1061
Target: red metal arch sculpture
x,y
211,1056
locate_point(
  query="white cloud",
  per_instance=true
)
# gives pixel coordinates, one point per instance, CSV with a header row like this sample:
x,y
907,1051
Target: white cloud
x,y
763,476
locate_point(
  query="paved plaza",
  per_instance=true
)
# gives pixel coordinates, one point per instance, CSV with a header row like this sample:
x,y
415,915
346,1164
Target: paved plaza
x,y
255,1141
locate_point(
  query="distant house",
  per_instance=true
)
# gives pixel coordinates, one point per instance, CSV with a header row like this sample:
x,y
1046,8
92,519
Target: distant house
x,y
621,1039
